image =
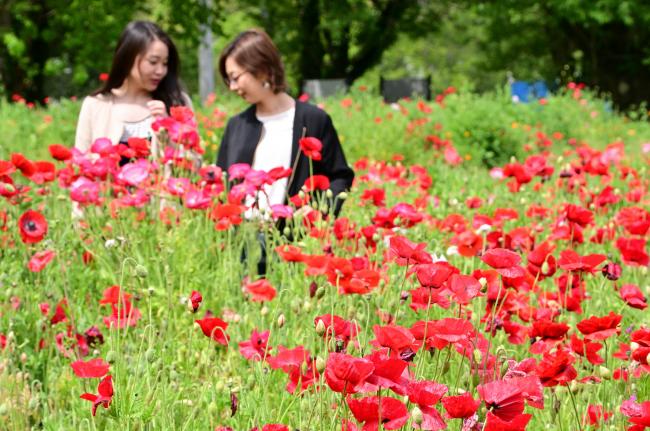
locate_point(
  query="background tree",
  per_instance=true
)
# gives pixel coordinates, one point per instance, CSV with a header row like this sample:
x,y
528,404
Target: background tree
x,y
58,47
339,38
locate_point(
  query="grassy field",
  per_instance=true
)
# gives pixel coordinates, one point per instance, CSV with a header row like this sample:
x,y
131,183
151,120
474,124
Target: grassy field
x,y
489,271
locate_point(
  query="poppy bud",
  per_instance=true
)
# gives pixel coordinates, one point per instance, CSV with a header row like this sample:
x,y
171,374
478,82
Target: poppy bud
x,y
3,409
320,292
477,355
320,364
264,310
149,354
306,305
320,327
612,271
194,301
324,207
286,231
604,372
342,196
141,271
281,320
33,403
545,268
329,194
417,416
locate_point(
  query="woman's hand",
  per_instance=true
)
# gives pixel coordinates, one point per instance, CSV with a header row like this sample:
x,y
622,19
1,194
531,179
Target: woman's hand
x,y
157,108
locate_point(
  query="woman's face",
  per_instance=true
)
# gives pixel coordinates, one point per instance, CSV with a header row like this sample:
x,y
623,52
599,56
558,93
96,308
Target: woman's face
x,y
151,67
245,84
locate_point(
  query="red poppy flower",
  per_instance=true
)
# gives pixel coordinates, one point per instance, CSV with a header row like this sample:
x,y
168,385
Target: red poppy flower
x,y
124,314
40,260
6,168
114,295
299,366
338,328
505,262
260,290
495,423
632,295
460,406
612,271
596,414
389,373
60,152
579,215
464,288
272,427
256,348
24,165
635,220
43,172
290,253
104,396
587,349
60,314
33,227
214,328
399,340
468,242
371,411
536,259
600,328
344,373
316,182
633,251
572,261
406,252
503,398
311,147
426,394
556,369
434,275
227,215
92,369
195,301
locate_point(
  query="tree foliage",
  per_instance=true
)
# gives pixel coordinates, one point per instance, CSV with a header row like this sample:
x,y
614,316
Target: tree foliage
x,y
602,43
58,47
339,38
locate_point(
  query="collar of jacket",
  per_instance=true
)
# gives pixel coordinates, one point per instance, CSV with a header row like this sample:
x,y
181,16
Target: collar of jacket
x,y
254,133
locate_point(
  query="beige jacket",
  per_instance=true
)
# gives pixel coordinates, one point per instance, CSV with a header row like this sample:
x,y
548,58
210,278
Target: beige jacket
x,y
97,119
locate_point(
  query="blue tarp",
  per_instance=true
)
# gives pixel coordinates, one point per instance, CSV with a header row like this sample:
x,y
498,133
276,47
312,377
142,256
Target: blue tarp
x,y
523,91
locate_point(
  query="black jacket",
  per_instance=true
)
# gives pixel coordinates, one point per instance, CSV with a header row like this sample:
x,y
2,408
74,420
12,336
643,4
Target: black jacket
x,y
244,131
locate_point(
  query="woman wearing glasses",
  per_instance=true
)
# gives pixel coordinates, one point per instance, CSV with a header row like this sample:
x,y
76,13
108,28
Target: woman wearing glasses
x,y
266,135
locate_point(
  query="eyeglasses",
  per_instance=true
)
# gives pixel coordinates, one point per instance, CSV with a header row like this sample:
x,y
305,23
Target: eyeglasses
x,y
233,80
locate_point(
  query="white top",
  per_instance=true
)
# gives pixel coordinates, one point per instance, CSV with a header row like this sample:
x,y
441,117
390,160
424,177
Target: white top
x,y
273,150
137,129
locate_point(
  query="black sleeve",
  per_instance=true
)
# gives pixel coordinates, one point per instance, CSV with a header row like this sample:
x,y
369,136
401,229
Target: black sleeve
x,y
222,155
334,165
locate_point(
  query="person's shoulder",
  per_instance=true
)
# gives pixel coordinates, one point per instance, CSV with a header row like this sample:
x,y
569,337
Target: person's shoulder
x,y
310,110
96,100
247,115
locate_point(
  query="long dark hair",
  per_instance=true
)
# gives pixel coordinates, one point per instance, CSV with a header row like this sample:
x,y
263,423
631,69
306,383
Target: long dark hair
x,y
134,40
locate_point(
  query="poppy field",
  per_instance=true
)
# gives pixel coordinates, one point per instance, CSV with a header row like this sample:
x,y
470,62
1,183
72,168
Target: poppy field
x,y
488,271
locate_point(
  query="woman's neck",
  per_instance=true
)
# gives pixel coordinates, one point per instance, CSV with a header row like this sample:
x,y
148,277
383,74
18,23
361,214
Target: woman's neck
x,y
275,104
129,93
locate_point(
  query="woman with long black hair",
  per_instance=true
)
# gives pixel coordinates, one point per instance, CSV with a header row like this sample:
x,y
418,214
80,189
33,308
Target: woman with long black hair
x,y
142,85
